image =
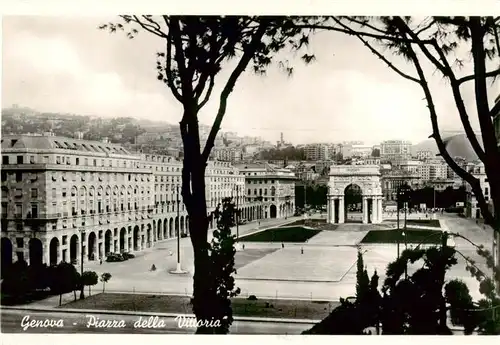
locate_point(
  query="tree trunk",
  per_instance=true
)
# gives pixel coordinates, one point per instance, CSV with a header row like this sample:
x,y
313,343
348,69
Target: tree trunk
x,y
89,291
60,299
203,292
103,286
74,293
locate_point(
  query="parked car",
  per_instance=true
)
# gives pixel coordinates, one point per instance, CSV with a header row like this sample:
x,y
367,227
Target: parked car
x,y
242,221
183,234
114,257
127,255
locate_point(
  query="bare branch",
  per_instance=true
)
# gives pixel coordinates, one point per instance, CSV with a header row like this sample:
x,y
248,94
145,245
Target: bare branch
x,y
380,55
154,29
422,45
474,182
208,92
361,23
426,27
473,76
362,33
447,71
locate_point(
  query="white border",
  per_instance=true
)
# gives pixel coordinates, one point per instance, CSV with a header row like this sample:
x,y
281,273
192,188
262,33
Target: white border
x,y
297,7
304,7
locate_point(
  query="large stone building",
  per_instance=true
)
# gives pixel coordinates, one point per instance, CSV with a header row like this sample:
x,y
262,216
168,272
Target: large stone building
x,y
317,152
395,151
64,198
392,180
270,189
472,209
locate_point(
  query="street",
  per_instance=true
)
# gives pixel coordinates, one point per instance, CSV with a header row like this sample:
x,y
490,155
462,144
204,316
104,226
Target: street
x,y
12,322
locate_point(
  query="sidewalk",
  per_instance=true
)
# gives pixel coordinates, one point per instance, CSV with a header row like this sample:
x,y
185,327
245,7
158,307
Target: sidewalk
x,y
164,315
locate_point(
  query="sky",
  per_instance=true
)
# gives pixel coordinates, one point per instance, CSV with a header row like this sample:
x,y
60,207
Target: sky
x,y
65,64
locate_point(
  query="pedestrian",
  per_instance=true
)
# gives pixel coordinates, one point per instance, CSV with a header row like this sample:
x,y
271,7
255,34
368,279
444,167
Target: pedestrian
x,y
100,261
243,246
282,245
302,250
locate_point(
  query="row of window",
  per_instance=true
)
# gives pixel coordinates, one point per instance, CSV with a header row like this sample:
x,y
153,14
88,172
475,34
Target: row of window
x,y
68,160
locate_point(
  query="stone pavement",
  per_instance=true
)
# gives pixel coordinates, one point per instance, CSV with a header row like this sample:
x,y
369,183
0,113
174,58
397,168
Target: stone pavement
x,y
301,263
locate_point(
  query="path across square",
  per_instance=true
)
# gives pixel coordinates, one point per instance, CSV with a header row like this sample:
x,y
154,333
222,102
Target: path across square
x,y
315,264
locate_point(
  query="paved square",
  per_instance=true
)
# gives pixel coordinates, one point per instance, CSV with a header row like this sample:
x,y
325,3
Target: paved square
x,y
338,238
316,264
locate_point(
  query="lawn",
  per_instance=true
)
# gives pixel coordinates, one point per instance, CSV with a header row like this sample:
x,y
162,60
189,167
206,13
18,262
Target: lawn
x,y
244,257
424,222
416,236
295,234
313,223
180,304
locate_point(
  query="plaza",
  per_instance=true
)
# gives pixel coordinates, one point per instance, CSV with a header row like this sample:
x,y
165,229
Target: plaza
x,y
326,270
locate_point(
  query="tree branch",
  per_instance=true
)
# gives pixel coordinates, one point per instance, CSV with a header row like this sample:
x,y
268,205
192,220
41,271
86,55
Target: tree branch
x,y
228,88
380,55
447,71
472,76
208,93
186,81
474,182
362,33
215,46
168,70
155,30
404,28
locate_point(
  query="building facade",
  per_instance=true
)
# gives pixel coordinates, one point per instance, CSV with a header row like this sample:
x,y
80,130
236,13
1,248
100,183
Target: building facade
x,y
317,152
64,199
270,191
393,179
472,209
395,150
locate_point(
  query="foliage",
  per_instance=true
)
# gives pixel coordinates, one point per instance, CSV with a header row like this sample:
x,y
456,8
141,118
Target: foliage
x,y
105,277
89,278
487,311
362,281
222,253
290,153
314,193
16,280
64,278
376,153
436,198
412,304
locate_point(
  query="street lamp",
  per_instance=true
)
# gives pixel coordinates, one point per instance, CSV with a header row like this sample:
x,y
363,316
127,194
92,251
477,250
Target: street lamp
x,y
82,234
237,245
178,269
402,193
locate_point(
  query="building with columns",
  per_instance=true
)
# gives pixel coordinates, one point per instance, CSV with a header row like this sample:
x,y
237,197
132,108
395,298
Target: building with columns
x,y
270,191
367,177
64,198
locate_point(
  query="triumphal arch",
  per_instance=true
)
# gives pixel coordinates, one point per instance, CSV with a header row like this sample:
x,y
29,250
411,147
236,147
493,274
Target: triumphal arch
x,y
367,178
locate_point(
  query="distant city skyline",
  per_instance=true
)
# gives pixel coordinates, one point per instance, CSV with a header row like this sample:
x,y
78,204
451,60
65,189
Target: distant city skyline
x,y
67,65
